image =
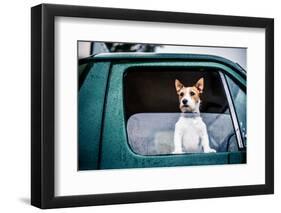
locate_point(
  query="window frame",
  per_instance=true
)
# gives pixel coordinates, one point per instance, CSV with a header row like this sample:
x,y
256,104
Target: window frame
x,y
233,113
236,113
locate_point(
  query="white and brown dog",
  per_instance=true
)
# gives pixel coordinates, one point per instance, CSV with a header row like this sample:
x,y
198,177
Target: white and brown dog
x,y
191,134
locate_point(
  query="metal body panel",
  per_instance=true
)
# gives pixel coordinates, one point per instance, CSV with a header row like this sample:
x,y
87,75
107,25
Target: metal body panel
x,y
90,115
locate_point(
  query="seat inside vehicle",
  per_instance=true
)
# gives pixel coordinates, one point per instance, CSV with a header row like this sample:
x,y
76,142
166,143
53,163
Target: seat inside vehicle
x,y
153,133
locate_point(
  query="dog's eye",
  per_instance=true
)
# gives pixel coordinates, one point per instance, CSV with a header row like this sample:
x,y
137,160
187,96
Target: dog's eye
x,y
192,93
181,94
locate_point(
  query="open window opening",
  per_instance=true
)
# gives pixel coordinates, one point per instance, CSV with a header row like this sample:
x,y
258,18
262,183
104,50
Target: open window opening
x,y
152,109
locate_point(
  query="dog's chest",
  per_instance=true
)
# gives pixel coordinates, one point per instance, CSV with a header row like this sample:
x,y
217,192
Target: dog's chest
x,y
192,130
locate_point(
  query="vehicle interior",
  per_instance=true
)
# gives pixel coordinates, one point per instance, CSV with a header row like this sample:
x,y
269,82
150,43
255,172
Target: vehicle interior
x,y
151,108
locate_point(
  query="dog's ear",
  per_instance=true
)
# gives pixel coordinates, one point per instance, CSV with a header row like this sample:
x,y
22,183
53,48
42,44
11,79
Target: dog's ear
x,y
200,85
178,85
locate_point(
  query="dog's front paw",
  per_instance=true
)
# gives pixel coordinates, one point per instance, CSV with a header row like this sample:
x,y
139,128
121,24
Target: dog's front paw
x,y
177,152
210,150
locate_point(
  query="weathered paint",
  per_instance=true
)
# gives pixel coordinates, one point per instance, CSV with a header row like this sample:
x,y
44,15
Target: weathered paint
x,y
90,114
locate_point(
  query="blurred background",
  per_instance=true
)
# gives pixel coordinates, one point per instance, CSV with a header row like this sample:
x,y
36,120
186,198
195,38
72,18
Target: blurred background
x,y
88,48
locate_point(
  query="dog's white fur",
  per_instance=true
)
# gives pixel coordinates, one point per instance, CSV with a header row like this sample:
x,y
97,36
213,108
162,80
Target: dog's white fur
x,y
191,134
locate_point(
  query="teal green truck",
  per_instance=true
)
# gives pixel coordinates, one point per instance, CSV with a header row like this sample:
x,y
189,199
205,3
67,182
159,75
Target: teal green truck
x,y
128,107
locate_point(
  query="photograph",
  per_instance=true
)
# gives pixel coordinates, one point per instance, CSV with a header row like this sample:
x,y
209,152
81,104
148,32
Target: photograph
x,y
143,105
132,106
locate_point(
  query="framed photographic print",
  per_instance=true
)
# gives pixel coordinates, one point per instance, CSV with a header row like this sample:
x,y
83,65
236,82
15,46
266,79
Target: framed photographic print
x,y
139,106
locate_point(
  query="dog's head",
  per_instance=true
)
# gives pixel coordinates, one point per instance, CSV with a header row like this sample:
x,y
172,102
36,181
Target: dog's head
x,y
189,97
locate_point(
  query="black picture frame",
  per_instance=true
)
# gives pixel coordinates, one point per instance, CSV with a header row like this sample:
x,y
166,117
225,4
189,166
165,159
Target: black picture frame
x,y
43,117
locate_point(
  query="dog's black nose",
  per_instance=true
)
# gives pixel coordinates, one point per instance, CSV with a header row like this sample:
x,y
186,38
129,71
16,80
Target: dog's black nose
x,y
184,101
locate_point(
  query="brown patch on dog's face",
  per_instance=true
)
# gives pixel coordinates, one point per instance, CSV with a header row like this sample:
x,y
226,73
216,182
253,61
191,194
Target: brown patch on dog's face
x,y
189,97
195,94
